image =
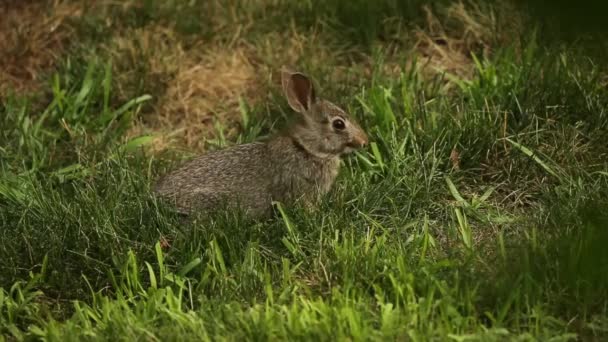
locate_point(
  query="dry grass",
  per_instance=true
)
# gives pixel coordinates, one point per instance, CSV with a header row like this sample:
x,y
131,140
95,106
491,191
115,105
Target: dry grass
x,y
446,42
148,56
198,83
205,89
206,81
33,34
449,50
312,52
208,78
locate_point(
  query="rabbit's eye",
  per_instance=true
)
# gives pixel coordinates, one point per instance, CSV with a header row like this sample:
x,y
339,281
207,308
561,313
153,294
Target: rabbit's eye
x,y
339,124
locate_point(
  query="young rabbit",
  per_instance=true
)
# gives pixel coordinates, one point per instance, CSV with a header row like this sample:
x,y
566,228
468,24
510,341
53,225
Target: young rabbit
x,y
301,163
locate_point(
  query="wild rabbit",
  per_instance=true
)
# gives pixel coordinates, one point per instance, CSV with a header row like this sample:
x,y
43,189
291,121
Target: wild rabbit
x,y
301,163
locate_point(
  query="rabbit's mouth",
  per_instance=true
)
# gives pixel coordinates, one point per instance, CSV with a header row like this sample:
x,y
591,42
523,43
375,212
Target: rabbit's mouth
x,y
352,146
357,143
349,148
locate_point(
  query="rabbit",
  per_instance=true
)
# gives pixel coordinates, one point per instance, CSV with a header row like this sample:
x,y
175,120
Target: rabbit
x,y
298,164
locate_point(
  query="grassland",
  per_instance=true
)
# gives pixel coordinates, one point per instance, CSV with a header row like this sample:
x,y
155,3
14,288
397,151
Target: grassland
x,y
479,212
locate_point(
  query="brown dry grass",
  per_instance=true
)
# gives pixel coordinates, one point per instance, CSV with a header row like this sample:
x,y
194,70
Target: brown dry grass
x,y
446,43
450,50
206,80
152,55
205,89
33,34
198,82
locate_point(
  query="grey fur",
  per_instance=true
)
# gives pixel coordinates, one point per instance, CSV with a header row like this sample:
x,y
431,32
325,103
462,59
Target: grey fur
x,y
300,164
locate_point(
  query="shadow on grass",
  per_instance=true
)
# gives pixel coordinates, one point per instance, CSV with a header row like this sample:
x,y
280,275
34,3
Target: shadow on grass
x,y
562,273
581,22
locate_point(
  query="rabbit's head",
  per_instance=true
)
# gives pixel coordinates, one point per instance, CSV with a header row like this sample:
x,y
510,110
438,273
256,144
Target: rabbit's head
x,y
324,129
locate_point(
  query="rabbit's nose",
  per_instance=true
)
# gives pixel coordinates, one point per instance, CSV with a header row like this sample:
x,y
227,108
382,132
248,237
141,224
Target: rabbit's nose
x,y
360,140
363,143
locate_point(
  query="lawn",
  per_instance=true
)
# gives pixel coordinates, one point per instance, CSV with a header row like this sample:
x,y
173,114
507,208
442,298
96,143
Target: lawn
x,y
479,212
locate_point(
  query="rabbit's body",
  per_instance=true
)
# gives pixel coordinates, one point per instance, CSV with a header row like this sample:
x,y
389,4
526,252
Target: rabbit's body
x,y
299,164
251,176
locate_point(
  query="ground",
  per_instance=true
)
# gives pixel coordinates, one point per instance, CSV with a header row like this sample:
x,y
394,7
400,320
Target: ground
x,y
478,212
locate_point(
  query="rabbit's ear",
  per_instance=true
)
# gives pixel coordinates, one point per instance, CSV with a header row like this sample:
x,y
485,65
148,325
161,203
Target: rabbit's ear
x,y
298,90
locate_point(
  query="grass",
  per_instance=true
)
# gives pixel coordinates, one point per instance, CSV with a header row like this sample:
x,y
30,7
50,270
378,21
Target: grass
x,y
479,211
